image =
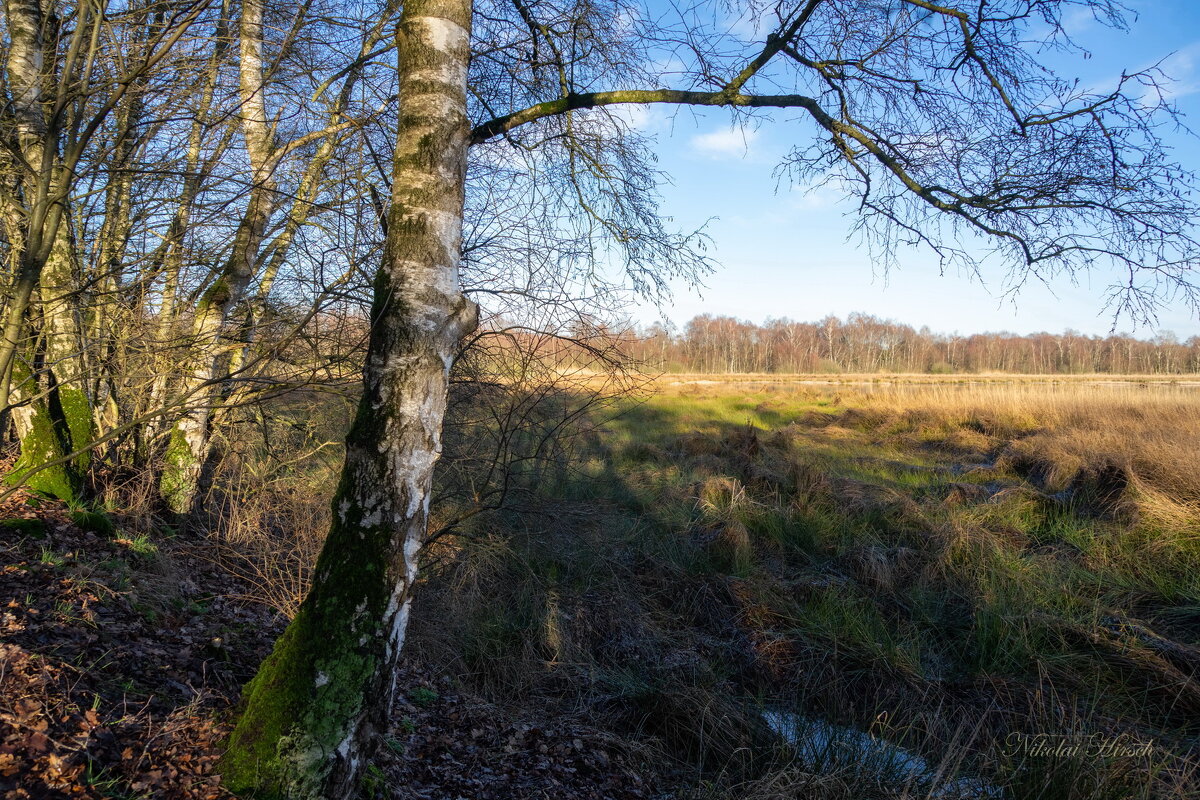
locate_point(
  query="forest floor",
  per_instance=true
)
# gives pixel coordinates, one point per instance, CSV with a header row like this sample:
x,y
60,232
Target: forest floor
x,y
121,660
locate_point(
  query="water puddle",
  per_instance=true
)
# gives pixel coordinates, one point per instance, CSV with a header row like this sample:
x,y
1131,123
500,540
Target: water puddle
x,y
827,747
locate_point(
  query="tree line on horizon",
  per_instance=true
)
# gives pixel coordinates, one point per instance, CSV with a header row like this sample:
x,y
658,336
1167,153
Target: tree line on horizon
x,y
865,343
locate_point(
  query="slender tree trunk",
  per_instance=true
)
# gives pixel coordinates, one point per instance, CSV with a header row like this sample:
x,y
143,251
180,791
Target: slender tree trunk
x,y
64,345
321,701
275,256
171,252
276,253
12,215
46,266
108,321
25,66
188,446
106,315
189,440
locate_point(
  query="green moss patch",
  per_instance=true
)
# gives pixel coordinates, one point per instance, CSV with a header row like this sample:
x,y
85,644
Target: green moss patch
x,y
33,528
94,521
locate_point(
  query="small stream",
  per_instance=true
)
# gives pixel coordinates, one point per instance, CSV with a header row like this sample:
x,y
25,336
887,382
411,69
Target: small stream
x,y
825,746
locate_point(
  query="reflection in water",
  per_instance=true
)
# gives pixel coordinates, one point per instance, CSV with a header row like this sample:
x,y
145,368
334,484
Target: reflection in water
x,y
825,747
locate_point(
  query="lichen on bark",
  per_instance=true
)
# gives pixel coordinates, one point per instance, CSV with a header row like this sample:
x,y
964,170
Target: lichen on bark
x,y
41,447
323,694
174,485
297,706
320,703
75,408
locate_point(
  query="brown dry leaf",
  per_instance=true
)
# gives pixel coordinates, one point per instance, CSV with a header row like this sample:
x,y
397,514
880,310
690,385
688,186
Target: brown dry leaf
x,y
25,708
37,743
54,765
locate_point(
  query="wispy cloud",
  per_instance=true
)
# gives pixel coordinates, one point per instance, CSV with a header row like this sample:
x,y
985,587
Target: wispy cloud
x,y
724,143
1167,79
635,117
1078,20
1182,73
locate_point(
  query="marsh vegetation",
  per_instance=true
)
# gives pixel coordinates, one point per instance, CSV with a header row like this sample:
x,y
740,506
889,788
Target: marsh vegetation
x,y
955,568
698,587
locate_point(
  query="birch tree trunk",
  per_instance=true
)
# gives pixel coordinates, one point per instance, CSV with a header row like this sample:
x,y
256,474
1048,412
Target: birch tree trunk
x,y
170,257
63,344
187,447
56,418
321,701
107,324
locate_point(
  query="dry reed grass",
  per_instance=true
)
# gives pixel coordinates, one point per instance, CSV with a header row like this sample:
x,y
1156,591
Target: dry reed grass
x,y
1051,428
1058,430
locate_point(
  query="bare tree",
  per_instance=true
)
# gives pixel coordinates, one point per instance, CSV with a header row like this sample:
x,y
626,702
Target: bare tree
x,y
254,254
937,116
61,90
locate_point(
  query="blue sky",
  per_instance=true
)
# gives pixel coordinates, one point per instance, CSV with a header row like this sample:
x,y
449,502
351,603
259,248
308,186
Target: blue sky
x,y
783,252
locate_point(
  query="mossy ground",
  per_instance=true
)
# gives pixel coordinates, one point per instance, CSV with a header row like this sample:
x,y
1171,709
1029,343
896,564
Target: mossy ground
x,y
33,528
95,521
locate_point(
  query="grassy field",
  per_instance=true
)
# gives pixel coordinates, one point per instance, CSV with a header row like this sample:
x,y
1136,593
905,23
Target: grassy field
x,y
776,379
1001,577
709,588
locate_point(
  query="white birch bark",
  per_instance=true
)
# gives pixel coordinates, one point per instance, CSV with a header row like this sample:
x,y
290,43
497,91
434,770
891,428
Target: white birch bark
x,y
188,445
61,421
172,249
321,701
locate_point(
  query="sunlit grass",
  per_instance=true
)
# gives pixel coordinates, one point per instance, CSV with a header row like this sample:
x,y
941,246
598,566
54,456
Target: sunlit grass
x,y
949,554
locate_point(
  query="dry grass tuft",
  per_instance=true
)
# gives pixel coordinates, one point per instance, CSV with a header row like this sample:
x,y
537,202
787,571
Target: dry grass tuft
x,y
693,445
721,497
1086,439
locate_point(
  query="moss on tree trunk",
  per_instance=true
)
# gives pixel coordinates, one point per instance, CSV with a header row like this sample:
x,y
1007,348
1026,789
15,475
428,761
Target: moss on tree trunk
x,y
46,439
320,702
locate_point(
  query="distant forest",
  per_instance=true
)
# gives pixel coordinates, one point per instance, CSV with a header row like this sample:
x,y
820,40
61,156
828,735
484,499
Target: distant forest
x,y
863,343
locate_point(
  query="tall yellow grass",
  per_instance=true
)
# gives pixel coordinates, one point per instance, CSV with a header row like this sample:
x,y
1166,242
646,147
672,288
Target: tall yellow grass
x,y
1148,426
1153,431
